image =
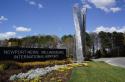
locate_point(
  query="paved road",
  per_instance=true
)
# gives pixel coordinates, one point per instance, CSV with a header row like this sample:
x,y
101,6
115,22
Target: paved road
x,y
120,61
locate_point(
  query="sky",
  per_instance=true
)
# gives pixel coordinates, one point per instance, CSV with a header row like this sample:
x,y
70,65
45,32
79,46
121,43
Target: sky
x,y
20,18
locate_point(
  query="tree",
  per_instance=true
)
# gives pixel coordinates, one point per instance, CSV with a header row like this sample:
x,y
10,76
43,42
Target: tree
x,y
14,42
94,42
105,40
43,41
118,39
118,44
68,41
88,44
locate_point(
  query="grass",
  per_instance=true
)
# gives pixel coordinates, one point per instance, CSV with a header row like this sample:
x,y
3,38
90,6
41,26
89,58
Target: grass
x,y
98,72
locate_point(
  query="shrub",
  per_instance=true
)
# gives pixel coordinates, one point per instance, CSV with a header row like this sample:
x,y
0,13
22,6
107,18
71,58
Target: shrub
x,y
44,63
98,54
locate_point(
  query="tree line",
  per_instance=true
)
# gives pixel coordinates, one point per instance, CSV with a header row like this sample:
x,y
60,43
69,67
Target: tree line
x,y
105,44
102,44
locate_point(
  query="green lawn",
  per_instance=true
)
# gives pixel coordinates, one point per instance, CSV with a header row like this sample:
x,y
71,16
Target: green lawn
x,y
98,72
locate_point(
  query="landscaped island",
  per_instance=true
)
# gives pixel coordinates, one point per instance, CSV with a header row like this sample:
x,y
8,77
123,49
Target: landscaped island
x,y
61,71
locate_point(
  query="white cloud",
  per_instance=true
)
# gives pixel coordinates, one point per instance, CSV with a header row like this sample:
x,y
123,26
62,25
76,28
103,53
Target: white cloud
x,y
40,6
2,18
19,37
110,29
122,29
7,35
103,3
34,3
76,5
116,9
22,29
87,6
106,5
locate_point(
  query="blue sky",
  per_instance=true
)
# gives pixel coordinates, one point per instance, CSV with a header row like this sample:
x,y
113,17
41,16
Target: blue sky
x,y
19,18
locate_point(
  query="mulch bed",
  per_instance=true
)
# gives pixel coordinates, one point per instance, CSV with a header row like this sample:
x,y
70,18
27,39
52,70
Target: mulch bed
x,y
57,76
54,76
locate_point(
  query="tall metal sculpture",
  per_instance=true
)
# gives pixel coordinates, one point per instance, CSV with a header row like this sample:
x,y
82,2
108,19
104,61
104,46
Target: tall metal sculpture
x,y
80,25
